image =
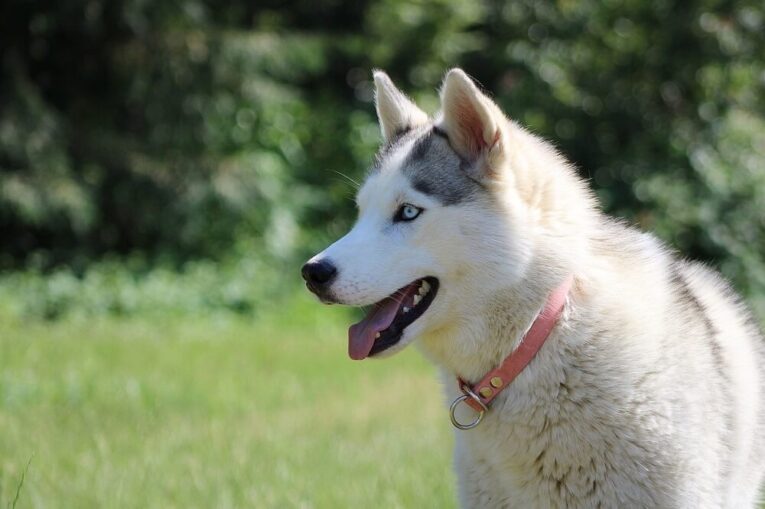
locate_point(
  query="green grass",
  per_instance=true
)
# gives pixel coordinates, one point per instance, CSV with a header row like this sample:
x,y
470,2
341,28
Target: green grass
x,y
216,412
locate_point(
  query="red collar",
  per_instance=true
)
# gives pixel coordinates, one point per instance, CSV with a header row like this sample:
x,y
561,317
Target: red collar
x,y
481,394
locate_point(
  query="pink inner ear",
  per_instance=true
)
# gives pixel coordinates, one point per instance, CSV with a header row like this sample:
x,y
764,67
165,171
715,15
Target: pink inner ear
x,y
470,127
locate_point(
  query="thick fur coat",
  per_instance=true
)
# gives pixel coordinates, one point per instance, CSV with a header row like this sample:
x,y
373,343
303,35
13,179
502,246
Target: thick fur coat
x,y
648,392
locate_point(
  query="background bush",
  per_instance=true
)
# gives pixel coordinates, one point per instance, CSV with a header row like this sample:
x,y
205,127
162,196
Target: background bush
x,y
191,152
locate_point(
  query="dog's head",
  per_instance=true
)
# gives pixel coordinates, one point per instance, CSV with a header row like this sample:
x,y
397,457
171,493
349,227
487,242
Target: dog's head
x,y
438,227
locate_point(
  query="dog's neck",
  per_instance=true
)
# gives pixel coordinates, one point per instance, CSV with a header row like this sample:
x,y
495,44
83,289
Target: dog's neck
x,y
470,348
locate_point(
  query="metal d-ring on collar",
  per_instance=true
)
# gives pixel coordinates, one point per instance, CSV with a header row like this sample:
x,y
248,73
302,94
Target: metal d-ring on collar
x,y
467,393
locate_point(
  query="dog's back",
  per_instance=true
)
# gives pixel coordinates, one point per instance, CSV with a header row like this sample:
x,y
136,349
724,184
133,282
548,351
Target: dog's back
x,y
702,367
713,315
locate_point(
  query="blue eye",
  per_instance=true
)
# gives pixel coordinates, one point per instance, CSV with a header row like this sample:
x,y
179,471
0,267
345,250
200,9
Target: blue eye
x,y
406,212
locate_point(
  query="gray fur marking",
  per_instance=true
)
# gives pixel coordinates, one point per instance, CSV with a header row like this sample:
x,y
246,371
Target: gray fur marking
x,y
692,304
432,166
435,169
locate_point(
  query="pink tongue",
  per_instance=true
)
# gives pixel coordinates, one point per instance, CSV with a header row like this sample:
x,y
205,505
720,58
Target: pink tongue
x,y
361,336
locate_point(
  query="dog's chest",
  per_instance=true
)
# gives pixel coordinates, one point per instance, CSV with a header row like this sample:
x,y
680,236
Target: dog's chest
x,y
554,441
531,464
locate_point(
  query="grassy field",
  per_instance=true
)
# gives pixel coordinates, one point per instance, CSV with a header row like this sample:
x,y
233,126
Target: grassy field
x,y
216,412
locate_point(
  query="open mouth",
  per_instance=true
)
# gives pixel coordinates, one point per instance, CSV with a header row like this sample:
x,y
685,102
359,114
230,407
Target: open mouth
x,y
385,323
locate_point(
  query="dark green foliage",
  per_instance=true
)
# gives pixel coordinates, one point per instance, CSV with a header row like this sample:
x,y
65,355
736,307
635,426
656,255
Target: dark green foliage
x,y
188,130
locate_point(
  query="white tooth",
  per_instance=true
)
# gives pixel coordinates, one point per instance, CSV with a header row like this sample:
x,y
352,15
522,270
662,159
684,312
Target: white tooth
x,y
425,286
377,335
406,309
416,299
422,290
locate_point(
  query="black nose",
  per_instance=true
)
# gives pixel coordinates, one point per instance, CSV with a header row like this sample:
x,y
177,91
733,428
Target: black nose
x,y
317,274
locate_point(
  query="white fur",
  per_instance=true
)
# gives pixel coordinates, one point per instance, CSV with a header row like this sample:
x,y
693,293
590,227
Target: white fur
x,y
394,110
626,405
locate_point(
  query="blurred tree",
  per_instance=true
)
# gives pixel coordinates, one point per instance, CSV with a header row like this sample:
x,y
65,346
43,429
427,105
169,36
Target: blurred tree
x,y
191,129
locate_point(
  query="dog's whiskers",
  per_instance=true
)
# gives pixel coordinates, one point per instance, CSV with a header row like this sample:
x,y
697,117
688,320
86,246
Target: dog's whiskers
x,y
355,184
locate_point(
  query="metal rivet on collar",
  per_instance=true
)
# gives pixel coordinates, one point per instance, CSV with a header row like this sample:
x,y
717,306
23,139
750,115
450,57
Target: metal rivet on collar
x,y
486,392
496,382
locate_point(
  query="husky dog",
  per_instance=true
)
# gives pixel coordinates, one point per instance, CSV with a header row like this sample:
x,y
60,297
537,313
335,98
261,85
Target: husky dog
x,y
647,392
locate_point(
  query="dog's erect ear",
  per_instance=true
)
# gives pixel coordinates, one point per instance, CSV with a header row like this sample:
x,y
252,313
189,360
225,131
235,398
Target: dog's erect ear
x,y
470,119
395,111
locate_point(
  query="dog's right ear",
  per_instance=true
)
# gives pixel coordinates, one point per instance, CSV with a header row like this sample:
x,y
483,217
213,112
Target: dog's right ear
x,y
395,111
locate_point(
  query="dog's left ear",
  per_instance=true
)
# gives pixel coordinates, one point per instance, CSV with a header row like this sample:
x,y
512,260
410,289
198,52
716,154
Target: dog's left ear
x,y
395,111
472,121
